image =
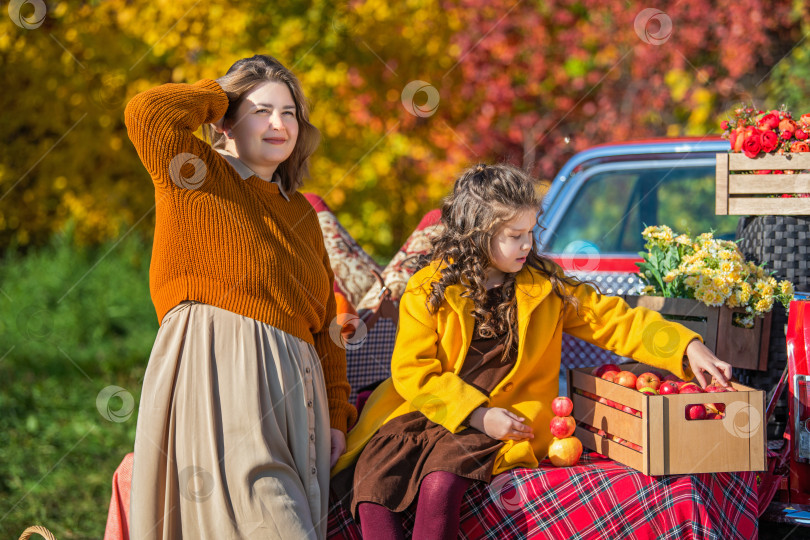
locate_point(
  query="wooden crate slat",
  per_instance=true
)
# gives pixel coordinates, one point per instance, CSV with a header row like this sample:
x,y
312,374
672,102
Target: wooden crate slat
x,y
737,344
598,415
743,184
721,183
656,435
761,206
794,161
684,307
612,391
758,440
611,449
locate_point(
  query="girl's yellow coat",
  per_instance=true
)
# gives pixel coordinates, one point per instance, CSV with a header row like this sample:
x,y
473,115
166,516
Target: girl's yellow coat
x,y
430,350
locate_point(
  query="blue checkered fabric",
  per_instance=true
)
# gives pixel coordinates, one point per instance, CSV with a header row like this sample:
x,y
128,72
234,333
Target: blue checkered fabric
x,y
371,361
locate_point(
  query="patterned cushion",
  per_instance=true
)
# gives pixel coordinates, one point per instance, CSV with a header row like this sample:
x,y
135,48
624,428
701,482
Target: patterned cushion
x,y
404,263
352,266
369,361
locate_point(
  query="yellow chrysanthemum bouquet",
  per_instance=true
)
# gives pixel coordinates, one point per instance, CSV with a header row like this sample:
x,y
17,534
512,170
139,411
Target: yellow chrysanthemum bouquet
x,y
709,270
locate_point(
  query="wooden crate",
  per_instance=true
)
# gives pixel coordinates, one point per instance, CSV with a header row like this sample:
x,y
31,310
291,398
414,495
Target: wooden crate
x,y
670,444
747,194
745,348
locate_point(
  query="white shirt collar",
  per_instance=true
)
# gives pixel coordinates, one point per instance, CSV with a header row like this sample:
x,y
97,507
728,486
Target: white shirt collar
x,y
246,172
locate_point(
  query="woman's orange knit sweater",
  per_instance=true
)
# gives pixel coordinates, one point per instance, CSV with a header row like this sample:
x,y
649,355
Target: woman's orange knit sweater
x,y
232,242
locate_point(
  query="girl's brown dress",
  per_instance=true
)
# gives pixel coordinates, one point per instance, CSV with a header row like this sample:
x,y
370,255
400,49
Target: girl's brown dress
x,y
409,447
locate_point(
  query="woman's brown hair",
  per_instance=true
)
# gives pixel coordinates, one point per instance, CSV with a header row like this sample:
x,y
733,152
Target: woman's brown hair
x,y
245,75
484,198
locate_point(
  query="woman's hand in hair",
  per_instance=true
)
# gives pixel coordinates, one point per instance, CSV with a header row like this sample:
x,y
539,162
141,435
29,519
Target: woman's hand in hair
x,y
500,424
219,125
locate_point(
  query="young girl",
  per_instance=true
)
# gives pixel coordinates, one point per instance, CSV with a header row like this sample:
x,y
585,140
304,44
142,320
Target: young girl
x,y
477,360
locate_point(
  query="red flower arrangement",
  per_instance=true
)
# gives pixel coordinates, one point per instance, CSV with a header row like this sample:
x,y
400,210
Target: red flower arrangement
x,y
754,132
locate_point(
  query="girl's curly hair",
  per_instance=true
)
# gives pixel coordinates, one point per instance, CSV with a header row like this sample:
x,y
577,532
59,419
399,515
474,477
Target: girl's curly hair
x,y
484,198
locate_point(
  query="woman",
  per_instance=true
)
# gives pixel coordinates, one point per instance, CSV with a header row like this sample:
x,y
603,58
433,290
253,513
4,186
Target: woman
x,y
244,406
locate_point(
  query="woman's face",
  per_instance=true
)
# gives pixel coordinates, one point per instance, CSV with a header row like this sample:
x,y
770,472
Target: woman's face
x,y
265,128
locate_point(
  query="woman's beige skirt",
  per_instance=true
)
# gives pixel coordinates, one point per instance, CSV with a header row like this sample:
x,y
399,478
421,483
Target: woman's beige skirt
x,y
232,438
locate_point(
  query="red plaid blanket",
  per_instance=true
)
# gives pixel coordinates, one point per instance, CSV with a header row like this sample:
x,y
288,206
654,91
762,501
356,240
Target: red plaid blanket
x,y
598,498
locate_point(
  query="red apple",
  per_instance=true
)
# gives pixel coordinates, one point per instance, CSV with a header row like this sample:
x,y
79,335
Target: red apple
x,y
563,426
695,412
634,446
713,416
610,376
649,391
691,388
601,370
628,409
716,407
626,378
671,378
648,380
562,406
668,387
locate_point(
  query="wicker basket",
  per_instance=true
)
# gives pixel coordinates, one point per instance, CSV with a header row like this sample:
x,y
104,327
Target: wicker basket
x,y
37,529
783,244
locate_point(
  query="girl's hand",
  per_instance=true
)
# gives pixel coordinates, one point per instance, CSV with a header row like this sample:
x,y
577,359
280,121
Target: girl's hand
x,y
500,424
338,445
702,360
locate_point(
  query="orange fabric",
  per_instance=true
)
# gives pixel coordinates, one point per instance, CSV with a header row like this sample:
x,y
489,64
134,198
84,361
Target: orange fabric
x,y
234,242
118,515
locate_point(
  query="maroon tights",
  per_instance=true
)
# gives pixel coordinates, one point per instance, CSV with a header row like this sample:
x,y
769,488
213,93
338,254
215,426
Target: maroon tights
x,y
437,511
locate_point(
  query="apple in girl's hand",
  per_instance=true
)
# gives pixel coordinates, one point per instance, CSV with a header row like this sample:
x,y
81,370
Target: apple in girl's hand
x,y
610,375
649,391
601,370
695,412
626,378
563,426
668,387
648,380
562,406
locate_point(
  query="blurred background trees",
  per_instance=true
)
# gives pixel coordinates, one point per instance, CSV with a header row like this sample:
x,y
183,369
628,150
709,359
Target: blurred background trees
x,y
527,82
406,94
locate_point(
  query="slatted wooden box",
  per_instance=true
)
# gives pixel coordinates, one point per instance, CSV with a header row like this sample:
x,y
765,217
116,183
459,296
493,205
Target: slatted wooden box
x,y
670,444
739,194
745,348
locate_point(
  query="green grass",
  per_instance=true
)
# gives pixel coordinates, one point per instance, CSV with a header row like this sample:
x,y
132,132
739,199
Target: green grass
x,y
73,321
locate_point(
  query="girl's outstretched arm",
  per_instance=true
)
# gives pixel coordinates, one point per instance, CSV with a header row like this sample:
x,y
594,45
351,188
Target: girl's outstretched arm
x,y
639,333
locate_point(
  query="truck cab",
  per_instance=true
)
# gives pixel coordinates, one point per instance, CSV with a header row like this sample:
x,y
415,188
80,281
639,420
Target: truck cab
x,y
601,200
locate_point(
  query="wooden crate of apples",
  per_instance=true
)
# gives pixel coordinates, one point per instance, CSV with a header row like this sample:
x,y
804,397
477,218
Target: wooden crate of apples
x,y
657,424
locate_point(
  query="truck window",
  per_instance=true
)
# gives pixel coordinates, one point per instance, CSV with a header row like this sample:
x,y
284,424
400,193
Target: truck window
x,y
612,208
